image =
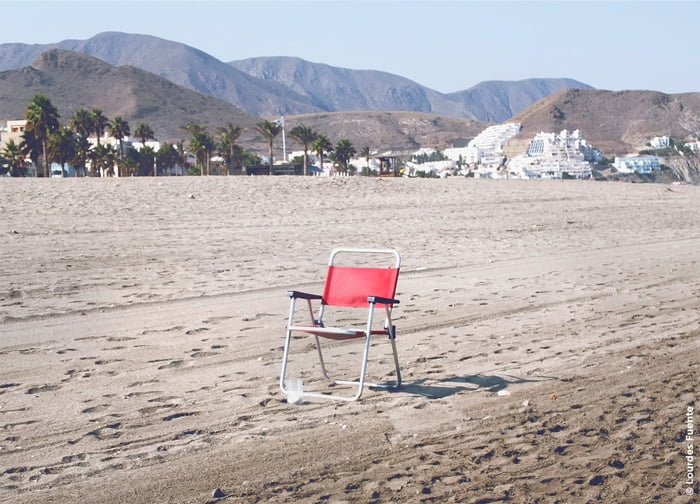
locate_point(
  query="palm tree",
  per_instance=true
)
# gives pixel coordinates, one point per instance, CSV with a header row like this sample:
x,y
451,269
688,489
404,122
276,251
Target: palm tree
x,y
131,162
321,146
12,152
269,130
82,154
181,156
366,153
344,151
167,157
31,148
99,123
62,147
201,144
305,136
119,129
42,119
144,133
81,122
103,158
229,136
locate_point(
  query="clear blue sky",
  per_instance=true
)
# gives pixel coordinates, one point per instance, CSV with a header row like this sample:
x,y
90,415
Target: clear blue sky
x,y
445,45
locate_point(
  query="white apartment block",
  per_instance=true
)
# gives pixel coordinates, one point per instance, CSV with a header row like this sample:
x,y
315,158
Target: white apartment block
x,y
549,155
572,141
662,142
487,147
637,164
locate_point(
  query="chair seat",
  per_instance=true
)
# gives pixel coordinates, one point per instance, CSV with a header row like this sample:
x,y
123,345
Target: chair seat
x,y
336,333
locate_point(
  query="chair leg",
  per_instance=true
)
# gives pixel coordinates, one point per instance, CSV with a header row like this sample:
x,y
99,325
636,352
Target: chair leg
x,y
285,359
320,358
396,357
360,383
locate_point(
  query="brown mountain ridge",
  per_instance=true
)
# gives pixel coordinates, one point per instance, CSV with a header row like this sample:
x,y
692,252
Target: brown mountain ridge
x,y
615,122
72,80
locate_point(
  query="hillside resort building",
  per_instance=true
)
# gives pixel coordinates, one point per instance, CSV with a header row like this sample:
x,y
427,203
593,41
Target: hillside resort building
x,y
549,155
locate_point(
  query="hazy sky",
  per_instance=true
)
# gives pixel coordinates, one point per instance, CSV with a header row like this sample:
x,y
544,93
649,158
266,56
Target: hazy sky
x,y
445,45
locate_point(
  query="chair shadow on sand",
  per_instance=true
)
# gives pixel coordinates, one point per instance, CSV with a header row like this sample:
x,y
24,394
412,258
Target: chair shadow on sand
x,y
438,389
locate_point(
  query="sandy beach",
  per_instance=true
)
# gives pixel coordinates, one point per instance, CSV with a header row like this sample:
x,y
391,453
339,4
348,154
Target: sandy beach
x,y
548,334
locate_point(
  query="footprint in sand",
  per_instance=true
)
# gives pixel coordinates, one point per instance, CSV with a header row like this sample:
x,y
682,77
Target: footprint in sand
x,y
42,388
5,386
197,330
180,415
95,409
173,364
107,432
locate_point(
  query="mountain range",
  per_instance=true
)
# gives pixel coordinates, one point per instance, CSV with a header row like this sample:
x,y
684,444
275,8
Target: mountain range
x,y
275,86
168,85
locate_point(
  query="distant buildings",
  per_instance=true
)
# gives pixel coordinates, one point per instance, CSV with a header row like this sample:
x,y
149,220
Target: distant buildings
x,y
637,164
548,155
487,147
13,131
662,142
551,155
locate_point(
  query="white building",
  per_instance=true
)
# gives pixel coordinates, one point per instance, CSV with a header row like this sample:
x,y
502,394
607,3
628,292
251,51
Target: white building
x,y
637,164
13,131
549,155
693,146
487,147
662,142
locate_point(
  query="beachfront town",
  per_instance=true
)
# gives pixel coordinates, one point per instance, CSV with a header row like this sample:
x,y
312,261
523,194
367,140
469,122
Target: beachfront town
x,y
549,155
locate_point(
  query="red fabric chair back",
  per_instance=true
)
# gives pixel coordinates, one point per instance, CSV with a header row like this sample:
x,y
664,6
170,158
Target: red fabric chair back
x,y
350,285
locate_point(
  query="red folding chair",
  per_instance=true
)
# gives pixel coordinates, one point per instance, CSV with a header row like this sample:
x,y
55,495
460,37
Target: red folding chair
x,y
351,283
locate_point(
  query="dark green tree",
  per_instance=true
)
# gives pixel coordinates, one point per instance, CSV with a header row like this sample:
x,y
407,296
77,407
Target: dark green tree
x,y
42,119
229,136
119,129
62,147
202,145
99,123
12,152
144,133
81,122
344,151
269,130
102,160
305,136
366,153
322,146
31,148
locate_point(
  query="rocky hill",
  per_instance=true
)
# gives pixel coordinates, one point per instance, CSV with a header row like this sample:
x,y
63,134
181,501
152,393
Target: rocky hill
x,y
616,122
285,86
619,123
498,101
72,80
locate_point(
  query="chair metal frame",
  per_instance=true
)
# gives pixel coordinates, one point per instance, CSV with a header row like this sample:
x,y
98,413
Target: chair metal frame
x,y
354,286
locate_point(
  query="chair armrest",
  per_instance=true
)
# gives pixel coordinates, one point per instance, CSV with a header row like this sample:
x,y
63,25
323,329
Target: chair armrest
x,y
302,295
383,300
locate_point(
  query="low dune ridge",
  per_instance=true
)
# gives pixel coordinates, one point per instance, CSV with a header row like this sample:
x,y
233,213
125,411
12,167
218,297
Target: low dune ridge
x,y
547,333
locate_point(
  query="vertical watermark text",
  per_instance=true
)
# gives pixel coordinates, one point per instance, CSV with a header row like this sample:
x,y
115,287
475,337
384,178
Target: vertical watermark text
x,y
689,449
